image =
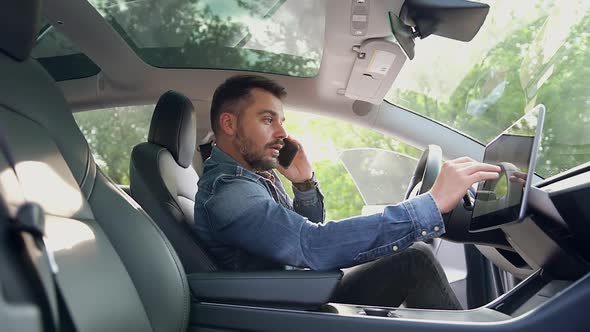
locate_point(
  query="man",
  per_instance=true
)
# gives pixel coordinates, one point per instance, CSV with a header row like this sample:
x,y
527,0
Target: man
x,y
247,222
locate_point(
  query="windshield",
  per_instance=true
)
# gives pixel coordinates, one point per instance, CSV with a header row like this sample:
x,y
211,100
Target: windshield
x,y
526,53
273,36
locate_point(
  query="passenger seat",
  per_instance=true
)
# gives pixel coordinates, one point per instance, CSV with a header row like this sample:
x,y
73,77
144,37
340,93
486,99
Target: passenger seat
x,y
117,270
163,181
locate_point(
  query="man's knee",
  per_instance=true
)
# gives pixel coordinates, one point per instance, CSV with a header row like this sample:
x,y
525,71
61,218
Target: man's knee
x,y
422,251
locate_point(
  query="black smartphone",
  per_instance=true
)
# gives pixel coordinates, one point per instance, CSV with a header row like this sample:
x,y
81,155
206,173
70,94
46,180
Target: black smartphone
x,y
288,153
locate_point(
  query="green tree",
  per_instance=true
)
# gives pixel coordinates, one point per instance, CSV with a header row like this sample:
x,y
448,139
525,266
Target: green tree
x,y
199,37
500,67
566,142
531,65
564,93
342,198
112,134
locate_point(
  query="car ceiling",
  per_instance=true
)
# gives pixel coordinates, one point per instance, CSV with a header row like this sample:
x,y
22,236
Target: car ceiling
x,y
126,80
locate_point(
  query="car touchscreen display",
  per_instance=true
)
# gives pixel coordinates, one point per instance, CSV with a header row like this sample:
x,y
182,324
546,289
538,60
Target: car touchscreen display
x,y
504,200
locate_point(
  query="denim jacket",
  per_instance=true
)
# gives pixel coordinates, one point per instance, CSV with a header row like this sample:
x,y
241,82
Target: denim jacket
x,y
244,228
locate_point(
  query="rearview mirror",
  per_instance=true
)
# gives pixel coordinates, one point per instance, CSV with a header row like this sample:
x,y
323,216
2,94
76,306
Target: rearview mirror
x,y
455,19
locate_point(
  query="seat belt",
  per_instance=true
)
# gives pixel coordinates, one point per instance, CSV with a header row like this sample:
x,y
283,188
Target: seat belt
x,y
29,223
205,150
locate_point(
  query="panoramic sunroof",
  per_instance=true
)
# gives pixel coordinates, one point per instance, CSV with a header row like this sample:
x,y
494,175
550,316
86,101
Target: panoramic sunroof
x,y
274,36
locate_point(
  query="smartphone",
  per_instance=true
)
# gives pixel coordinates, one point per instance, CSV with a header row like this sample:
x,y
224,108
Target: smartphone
x,y
288,153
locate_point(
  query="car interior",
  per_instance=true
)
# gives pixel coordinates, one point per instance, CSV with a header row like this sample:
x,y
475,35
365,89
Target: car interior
x,y
80,252
162,178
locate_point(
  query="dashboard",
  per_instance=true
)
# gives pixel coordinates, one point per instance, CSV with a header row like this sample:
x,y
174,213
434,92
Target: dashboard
x,y
553,236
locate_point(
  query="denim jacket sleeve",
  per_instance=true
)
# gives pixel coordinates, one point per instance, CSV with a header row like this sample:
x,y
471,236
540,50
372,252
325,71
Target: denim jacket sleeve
x,y
309,204
257,224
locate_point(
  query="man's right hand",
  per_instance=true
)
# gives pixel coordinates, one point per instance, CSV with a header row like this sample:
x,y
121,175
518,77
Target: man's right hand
x,y
455,177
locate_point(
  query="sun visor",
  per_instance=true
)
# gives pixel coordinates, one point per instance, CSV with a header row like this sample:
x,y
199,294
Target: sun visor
x,y
377,64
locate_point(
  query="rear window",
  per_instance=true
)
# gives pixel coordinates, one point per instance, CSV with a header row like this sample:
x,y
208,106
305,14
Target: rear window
x,y
112,133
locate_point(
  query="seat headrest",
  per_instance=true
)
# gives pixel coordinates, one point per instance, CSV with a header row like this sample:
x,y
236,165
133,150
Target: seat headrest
x,y
19,23
173,127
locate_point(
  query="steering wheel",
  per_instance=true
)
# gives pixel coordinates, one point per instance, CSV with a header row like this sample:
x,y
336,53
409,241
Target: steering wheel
x,y
426,171
513,189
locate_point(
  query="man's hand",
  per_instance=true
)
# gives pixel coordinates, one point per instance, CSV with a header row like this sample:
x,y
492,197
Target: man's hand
x,y
518,177
300,169
455,177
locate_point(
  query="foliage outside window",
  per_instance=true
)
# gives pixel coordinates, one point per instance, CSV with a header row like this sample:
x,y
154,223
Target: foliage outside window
x,y
112,133
527,53
272,36
323,140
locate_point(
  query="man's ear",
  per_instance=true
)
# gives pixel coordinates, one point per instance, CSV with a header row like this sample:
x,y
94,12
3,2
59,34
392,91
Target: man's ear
x,y
228,124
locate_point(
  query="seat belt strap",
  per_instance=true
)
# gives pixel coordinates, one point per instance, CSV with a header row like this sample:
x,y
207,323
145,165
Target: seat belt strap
x,y
205,150
29,222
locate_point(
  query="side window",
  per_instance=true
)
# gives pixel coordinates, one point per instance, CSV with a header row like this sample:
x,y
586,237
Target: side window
x,y
112,133
359,170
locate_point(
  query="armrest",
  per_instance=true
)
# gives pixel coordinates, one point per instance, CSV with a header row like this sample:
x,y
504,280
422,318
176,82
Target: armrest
x,y
300,289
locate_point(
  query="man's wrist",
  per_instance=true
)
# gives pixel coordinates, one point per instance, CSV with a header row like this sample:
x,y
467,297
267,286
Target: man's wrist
x,y
307,184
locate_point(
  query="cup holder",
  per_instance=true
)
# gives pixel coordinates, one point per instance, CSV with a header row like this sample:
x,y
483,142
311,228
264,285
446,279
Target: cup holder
x,y
378,312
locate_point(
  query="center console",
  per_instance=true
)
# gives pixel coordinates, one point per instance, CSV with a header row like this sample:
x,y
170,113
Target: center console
x,y
285,289
474,316
291,302
530,294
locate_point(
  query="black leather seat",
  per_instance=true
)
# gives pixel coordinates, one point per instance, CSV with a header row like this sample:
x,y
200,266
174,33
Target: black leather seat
x,y
118,272
163,181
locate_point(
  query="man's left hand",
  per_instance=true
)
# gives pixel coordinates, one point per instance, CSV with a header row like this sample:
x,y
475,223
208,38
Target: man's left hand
x,y
300,169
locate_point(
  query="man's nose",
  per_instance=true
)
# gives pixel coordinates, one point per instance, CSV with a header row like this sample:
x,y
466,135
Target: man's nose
x,y
280,131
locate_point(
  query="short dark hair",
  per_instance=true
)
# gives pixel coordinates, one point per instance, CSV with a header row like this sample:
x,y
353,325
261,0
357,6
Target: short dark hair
x,y
236,89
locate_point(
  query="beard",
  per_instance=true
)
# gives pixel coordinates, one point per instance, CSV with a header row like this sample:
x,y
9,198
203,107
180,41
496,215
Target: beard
x,y
256,157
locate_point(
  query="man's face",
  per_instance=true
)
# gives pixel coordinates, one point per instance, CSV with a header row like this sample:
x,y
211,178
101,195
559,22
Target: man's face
x,y
260,130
